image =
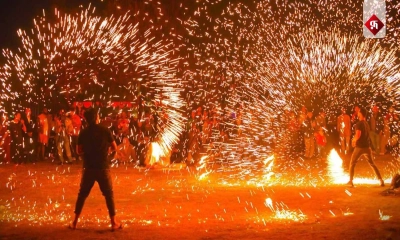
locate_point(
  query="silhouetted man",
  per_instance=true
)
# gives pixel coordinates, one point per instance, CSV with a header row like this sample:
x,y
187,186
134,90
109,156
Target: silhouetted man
x,y
361,144
93,144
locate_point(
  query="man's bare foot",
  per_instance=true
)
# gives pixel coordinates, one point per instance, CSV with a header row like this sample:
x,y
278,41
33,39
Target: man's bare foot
x,y
73,225
382,183
117,226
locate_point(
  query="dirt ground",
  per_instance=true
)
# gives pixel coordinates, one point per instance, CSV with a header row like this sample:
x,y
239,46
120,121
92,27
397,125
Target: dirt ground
x,y
37,202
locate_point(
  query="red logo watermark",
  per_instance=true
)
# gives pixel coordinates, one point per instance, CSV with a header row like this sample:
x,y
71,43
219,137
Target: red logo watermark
x,y
374,25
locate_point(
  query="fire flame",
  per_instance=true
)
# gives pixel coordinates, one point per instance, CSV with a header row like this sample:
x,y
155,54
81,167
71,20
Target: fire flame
x,y
337,174
335,168
156,153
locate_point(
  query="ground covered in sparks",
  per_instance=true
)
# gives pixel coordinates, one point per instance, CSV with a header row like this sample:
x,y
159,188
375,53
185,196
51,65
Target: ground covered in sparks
x,y
37,202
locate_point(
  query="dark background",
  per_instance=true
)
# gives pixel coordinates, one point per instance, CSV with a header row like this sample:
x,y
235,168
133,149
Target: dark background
x,y
16,14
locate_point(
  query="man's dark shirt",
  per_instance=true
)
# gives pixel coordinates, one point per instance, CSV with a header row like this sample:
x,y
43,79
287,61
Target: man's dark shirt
x,y
363,141
95,141
30,126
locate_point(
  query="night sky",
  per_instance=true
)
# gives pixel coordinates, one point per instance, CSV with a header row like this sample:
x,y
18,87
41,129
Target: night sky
x,y
15,14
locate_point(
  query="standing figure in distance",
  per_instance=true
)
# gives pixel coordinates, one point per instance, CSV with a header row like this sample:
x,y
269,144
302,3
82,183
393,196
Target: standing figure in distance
x,y
361,144
29,140
74,132
62,138
5,151
43,130
307,128
93,144
376,128
344,129
16,131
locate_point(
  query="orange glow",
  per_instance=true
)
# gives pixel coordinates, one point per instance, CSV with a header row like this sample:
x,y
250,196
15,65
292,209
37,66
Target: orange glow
x,y
337,174
156,153
204,175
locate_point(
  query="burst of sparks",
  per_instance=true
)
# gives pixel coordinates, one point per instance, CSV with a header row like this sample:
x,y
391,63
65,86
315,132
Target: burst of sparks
x,y
260,75
89,54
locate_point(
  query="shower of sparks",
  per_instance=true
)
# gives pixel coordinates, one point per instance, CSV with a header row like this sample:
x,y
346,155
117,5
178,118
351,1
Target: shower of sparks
x,y
100,57
252,64
258,61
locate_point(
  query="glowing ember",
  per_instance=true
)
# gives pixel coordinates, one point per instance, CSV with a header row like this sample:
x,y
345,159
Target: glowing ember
x,y
290,215
383,217
203,175
347,213
285,214
268,203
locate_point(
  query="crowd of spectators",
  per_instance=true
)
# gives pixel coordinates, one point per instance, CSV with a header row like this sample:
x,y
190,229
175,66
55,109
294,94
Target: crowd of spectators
x,y
310,135
54,135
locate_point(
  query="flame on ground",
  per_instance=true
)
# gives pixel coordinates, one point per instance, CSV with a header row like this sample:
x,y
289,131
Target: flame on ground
x,y
156,153
337,174
335,168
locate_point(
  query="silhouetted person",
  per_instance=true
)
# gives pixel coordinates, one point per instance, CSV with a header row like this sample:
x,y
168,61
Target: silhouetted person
x,y
93,144
361,144
43,134
16,132
29,140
